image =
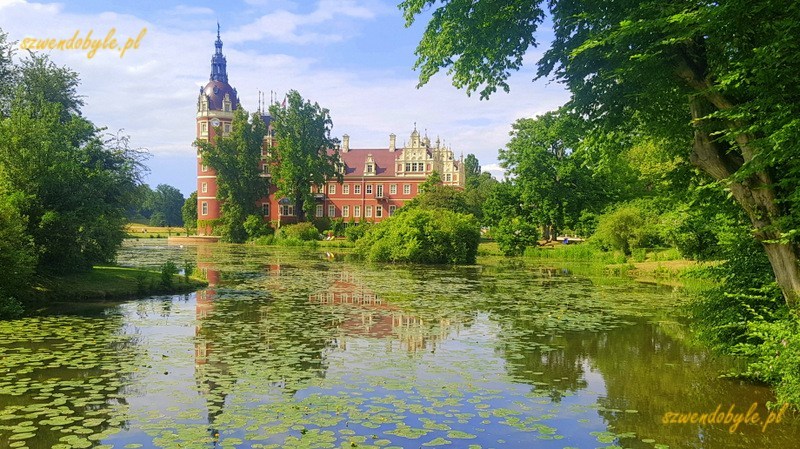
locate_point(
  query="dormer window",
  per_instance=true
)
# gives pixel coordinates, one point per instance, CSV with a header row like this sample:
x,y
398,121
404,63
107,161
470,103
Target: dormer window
x,y
203,103
226,103
369,166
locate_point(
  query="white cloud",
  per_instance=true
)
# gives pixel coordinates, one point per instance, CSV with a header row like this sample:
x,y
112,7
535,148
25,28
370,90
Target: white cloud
x,y
151,92
289,27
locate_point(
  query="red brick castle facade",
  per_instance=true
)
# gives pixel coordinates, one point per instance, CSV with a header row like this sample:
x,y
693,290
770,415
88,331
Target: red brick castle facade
x,y
377,181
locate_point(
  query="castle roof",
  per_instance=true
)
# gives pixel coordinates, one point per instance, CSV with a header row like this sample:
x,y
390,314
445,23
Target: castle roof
x,y
356,159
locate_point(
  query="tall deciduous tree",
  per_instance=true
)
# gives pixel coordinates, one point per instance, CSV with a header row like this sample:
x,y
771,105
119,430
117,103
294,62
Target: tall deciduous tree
x,y
305,156
168,201
236,158
701,74
189,212
472,169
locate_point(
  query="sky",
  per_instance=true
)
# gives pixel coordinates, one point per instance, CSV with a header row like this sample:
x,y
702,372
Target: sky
x,y
353,57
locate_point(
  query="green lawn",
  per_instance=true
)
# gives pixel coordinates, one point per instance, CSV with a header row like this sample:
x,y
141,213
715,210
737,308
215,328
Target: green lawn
x,y
108,283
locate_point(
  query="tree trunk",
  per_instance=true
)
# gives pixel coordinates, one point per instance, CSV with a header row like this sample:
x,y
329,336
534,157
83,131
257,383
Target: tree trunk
x,y
299,212
755,194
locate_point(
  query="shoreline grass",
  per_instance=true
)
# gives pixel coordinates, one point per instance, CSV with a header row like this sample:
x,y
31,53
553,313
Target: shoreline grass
x,y
104,283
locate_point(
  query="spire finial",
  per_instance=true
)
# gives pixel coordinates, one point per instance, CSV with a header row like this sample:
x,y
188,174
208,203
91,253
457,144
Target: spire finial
x,y
218,29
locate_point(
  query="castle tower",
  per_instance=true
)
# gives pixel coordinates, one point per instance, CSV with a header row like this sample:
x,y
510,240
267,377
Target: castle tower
x,y
215,106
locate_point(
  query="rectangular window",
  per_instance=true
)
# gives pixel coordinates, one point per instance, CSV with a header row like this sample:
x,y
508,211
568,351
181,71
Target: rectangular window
x,y
332,189
204,168
448,177
392,209
357,189
204,189
378,211
408,167
406,189
393,189
203,128
204,208
379,192
346,189
369,189
356,211
226,128
345,211
265,209
418,187
331,210
319,210
287,210
368,211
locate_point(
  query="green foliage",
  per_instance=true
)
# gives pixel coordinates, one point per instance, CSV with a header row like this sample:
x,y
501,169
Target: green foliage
x,y
514,234
168,201
189,212
354,232
168,270
158,219
188,269
70,181
472,170
304,231
255,227
628,226
17,254
422,236
10,307
438,196
236,158
305,155
697,78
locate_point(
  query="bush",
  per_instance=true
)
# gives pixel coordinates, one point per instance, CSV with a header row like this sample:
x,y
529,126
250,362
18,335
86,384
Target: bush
x,y
305,231
422,236
255,227
168,269
10,308
354,232
515,234
630,225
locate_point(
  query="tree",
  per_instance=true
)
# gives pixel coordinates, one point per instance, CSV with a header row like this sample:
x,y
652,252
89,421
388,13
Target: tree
x,y
236,158
168,201
545,160
305,156
70,180
189,212
472,169
699,74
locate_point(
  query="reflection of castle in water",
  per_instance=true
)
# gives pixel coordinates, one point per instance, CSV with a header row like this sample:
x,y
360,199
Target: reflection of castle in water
x,y
371,316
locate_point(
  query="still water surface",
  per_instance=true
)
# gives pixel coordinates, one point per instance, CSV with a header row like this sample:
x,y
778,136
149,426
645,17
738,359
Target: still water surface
x,y
290,348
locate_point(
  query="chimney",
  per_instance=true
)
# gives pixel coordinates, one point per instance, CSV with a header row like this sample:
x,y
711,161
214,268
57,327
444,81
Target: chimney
x,y
345,143
392,142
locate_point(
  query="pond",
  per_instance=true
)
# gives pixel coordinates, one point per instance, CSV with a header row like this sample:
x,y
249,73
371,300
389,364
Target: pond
x,y
299,348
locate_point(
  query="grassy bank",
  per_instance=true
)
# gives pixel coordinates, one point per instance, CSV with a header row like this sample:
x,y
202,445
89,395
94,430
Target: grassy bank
x,y
140,231
658,266
104,283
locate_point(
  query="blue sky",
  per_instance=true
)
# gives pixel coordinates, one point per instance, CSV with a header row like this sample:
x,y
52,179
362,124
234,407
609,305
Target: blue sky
x,y
354,57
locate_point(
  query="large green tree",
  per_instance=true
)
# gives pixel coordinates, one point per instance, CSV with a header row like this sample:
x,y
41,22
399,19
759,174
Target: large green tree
x,y
236,158
68,180
189,212
546,160
168,201
305,155
718,79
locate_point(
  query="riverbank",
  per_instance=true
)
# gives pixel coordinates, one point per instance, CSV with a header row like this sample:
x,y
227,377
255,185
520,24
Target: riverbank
x,y
107,283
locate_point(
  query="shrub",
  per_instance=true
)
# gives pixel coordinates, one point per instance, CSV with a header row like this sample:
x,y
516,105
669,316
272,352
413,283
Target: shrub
x,y
305,231
188,268
353,232
255,227
630,225
514,234
10,308
422,236
168,269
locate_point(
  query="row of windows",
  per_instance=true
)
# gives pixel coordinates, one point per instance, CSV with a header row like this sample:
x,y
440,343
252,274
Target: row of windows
x,y
226,128
288,209
368,189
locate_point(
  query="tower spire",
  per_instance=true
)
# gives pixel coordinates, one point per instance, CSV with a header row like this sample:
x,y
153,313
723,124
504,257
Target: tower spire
x,y
219,65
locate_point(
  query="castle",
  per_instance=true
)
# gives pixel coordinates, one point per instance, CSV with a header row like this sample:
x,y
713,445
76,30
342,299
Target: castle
x,y
377,181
